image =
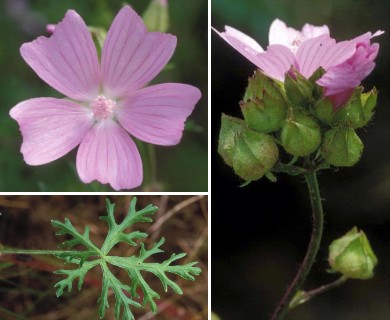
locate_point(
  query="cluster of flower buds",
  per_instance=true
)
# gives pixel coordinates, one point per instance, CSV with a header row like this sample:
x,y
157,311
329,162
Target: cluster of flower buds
x,y
297,116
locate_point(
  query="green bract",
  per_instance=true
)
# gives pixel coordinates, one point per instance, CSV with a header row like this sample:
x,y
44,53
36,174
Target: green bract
x,y
125,295
352,255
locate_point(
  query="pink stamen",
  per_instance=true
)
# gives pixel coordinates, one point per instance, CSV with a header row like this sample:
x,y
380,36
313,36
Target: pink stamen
x,y
102,107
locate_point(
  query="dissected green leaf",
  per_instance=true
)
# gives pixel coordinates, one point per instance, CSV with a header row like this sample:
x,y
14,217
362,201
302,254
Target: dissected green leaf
x,y
125,295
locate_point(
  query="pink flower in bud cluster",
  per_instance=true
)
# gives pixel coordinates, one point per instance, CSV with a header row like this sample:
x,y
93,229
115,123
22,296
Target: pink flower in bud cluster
x,y
106,101
346,63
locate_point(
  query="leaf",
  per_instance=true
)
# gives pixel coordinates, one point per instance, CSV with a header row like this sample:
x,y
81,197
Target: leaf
x,y
72,275
122,300
116,231
125,295
78,239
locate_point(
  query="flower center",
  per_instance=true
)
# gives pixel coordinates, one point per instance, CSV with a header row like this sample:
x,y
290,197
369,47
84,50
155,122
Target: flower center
x,y
102,107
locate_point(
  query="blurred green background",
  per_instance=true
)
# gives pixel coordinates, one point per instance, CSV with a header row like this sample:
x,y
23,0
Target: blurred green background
x,y
179,168
266,226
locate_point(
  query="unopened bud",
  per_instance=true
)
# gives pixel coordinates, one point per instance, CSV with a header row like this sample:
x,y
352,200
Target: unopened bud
x,y
351,114
352,255
260,83
265,114
299,90
323,111
250,153
342,147
300,135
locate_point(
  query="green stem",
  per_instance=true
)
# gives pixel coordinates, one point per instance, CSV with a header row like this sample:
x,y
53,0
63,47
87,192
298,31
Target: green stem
x,y
315,240
307,295
31,252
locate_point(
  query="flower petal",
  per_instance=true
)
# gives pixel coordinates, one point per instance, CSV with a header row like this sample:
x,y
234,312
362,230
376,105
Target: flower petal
x,y
339,78
67,60
108,154
324,52
348,75
157,114
131,56
50,128
279,33
276,61
339,99
310,31
244,44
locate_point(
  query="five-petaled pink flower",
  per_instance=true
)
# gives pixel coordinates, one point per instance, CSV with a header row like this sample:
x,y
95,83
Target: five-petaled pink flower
x,y
346,63
106,101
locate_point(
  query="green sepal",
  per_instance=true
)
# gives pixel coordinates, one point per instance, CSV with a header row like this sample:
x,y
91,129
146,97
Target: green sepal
x,y
352,255
368,101
300,134
342,147
318,91
250,153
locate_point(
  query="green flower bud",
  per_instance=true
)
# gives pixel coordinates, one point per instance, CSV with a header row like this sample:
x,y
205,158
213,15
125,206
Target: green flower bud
x,y
368,100
352,114
265,114
156,16
352,255
214,316
260,83
342,147
250,153
323,111
300,135
358,111
299,90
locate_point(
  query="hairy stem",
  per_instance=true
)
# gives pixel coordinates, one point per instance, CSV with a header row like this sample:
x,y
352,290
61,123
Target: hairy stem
x,y
315,240
31,252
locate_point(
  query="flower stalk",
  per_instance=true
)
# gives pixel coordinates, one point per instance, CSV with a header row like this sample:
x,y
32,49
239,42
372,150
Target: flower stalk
x,y
315,240
305,296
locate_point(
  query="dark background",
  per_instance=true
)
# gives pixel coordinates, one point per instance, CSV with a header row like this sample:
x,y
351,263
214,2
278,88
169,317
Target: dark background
x,y
179,168
260,232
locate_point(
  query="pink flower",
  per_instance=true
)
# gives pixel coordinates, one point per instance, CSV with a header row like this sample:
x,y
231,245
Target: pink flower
x,y
105,102
346,63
